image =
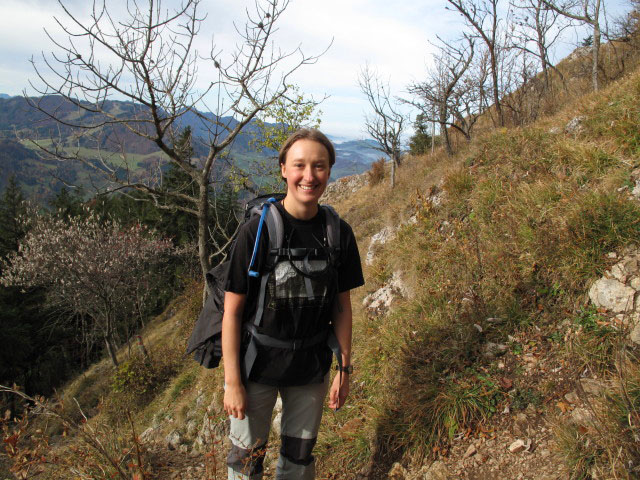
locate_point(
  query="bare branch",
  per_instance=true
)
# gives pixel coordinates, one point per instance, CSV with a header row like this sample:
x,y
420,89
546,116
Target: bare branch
x,y
387,123
147,56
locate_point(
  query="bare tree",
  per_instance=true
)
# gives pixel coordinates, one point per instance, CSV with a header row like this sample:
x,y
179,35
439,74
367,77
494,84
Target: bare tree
x,y
627,27
524,89
440,99
387,123
587,12
483,17
148,58
541,26
470,98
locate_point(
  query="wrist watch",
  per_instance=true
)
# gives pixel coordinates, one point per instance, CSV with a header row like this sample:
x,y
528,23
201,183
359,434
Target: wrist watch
x,y
347,369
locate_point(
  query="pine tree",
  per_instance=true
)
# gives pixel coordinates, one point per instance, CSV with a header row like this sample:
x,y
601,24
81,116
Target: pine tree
x,y
67,203
420,142
12,206
176,224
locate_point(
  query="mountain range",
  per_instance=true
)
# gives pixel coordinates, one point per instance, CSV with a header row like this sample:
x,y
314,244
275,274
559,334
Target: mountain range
x,y
42,177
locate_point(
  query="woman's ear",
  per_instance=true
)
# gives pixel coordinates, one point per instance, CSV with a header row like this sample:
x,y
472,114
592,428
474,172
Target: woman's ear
x,y
282,171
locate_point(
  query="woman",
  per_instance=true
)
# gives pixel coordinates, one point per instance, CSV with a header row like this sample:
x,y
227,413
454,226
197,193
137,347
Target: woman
x,y
304,299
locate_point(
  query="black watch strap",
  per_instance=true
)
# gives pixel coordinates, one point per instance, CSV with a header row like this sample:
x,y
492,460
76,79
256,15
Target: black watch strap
x,y
346,369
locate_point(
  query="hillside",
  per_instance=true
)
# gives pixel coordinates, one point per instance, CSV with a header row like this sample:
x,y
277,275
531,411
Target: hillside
x,y
487,262
42,177
495,337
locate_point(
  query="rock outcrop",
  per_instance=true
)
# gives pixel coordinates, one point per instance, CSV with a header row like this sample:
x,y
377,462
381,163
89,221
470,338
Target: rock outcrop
x,y
380,301
616,293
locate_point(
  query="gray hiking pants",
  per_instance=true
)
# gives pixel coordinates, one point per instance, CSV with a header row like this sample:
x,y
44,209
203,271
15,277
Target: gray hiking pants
x,y
301,414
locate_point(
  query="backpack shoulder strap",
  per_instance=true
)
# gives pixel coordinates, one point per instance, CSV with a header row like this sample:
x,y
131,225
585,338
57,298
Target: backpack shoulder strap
x,y
333,230
275,228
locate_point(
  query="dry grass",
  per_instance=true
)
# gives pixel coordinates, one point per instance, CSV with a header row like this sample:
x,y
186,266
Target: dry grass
x,y
528,218
607,445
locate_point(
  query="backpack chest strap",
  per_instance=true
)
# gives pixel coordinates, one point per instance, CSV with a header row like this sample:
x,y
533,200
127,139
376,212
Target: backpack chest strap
x,y
297,253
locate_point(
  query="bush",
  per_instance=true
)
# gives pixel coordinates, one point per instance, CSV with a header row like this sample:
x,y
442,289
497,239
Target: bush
x,y
92,450
376,174
137,380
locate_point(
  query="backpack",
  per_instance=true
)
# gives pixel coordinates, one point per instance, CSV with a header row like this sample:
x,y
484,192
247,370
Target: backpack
x,y
205,342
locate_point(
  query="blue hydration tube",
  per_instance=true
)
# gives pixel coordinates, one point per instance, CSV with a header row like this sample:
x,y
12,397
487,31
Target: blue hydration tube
x,y
265,208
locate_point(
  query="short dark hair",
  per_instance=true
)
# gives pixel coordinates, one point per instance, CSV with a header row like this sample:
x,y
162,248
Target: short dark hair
x,y
307,134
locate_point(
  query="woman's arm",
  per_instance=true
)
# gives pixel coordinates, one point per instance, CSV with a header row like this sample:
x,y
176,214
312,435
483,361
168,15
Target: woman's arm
x,y
235,396
342,325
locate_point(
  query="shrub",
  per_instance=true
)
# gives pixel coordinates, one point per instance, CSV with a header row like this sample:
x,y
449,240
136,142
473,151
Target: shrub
x,y
184,382
137,380
94,450
376,173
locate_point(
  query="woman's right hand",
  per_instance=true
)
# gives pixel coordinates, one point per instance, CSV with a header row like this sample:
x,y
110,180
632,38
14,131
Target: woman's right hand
x,y
235,400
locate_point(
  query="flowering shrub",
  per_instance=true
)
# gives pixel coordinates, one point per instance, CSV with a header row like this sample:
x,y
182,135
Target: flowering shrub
x,y
101,272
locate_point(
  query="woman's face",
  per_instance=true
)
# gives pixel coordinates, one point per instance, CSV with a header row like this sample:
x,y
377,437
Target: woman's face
x,y
306,170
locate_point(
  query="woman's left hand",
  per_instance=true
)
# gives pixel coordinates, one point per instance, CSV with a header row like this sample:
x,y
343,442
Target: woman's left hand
x,y
339,391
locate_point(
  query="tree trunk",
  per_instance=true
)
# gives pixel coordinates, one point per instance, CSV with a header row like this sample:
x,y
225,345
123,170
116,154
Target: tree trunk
x,y
444,132
543,61
203,223
111,349
433,136
496,85
596,50
540,41
393,172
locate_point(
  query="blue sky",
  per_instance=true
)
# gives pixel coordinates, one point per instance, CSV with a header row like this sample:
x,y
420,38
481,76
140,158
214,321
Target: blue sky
x,y
392,36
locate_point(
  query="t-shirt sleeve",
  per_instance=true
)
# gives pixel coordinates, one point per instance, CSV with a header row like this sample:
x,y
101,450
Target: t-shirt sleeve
x,y
237,280
350,269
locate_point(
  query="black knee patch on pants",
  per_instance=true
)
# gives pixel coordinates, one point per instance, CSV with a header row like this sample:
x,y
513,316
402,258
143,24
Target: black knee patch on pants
x,y
247,461
297,450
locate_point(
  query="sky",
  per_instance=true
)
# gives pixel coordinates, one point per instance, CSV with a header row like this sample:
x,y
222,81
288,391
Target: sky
x,y
391,36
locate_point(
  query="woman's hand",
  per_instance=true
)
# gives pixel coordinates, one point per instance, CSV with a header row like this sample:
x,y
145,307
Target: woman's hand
x,y
339,391
235,396
235,400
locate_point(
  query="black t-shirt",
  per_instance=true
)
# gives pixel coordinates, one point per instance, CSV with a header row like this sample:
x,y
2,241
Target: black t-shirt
x,y
285,367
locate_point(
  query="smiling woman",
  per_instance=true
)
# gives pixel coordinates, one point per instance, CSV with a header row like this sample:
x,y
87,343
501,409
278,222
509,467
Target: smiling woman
x,y
289,319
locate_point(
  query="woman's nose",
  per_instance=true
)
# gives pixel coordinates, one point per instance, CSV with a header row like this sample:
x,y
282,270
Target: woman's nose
x,y
308,173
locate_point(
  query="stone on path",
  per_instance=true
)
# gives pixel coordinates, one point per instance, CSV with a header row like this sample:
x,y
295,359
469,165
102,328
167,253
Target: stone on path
x,y
613,295
517,446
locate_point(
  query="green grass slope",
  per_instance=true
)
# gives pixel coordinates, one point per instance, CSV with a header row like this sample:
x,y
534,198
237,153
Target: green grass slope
x,y
526,219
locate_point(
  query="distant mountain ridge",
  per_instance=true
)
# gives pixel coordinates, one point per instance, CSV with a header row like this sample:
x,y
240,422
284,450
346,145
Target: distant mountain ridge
x,y
41,178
